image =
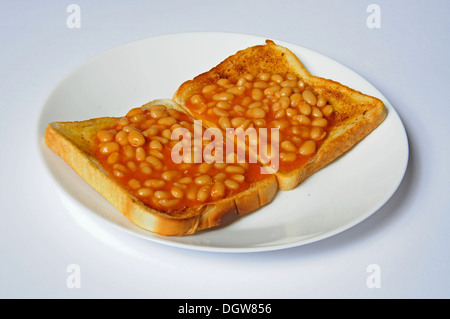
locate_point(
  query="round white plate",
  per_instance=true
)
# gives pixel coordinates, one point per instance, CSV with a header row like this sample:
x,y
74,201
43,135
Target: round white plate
x,y
336,198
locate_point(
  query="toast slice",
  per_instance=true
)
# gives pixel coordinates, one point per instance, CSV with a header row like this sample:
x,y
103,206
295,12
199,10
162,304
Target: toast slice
x,y
348,115
85,148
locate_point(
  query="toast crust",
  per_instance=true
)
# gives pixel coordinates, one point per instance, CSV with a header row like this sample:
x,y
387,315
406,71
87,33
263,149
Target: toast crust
x,y
356,114
74,143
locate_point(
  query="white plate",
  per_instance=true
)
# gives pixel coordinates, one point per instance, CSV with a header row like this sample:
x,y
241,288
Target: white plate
x,y
334,199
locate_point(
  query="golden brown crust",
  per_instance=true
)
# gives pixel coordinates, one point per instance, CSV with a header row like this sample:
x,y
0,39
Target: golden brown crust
x,y
356,114
74,142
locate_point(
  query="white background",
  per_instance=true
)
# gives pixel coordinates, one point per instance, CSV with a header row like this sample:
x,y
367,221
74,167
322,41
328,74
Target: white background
x,y
408,238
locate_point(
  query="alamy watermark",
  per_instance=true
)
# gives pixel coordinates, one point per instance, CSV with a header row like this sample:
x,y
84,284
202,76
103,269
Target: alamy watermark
x,y
374,19
73,280
374,278
73,21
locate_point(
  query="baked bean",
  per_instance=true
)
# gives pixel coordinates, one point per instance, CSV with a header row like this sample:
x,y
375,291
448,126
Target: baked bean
x,y
154,183
132,166
218,190
257,94
307,148
295,99
277,78
203,193
145,168
289,83
288,146
158,114
163,140
241,81
129,128
291,76
177,192
301,84
223,82
203,168
156,145
128,151
260,85
170,175
158,107
191,193
302,119
104,136
113,158
304,132
219,177
309,97
321,100
327,110
280,124
220,112
321,122
224,105
238,178
168,203
197,99
149,132
231,184
209,89
236,121
280,114
203,180
134,112
236,90
286,91
182,186
167,121
239,109
140,154
316,112
136,138
284,102
296,139
318,133
271,90
134,183
259,122
304,108
122,138
249,77
232,169
120,170
185,180
137,118
264,76
223,96
288,156
244,124
224,122
155,162
256,113
290,112
145,192
123,121
109,147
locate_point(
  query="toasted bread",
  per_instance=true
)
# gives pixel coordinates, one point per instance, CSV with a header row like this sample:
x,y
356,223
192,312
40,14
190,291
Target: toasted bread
x,y
75,143
355,114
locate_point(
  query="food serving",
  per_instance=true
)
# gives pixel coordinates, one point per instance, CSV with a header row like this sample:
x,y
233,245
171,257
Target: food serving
x,y
156,163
